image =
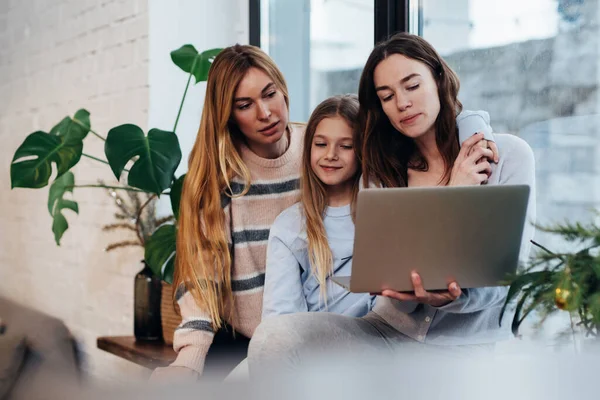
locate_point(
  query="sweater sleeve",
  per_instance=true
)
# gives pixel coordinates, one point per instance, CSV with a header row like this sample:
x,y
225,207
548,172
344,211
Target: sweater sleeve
x,y
283,292
194,335
518,168
471,122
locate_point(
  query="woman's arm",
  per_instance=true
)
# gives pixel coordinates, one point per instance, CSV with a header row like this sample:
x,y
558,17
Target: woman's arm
x,y
517,168
194,336
477,299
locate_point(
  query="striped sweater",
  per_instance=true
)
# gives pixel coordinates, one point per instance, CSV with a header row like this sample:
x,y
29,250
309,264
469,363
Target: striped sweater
x,y
274,187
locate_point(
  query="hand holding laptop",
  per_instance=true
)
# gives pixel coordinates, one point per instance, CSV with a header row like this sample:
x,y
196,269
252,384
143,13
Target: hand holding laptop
x,y
433,298
442,232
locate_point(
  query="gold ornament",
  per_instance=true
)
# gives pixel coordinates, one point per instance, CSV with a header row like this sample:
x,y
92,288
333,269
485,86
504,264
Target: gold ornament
x,y
561,298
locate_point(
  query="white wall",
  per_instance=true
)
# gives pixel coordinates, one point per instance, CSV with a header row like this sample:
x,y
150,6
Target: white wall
x,y
205,24
112,58
56,57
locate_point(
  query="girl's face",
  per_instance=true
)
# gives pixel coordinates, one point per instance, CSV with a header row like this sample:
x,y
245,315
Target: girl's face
x,y
408,94
259,110
332,156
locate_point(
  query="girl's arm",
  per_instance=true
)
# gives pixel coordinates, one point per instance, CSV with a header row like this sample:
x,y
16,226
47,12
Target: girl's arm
x,y
472,122
283,292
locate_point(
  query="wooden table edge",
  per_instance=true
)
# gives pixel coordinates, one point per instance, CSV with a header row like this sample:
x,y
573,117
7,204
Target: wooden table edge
x,y
146,354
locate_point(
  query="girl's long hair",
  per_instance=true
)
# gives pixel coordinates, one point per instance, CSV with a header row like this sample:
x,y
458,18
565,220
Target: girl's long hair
x,y
387,154
313,193
203,257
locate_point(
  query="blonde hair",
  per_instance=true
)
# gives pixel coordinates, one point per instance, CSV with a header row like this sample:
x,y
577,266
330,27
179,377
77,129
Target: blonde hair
x,y
203,258
313,193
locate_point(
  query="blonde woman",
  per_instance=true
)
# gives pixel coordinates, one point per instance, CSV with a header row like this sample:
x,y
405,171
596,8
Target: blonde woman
x,y
243,171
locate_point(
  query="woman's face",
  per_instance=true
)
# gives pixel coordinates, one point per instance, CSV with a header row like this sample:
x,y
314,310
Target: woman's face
x,y
259,109
408,94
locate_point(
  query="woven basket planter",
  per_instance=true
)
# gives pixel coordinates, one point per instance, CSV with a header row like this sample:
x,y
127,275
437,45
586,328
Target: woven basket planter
x,y
169,313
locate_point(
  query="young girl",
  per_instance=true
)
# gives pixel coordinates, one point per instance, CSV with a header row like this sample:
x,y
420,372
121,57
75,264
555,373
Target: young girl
x,y
313,239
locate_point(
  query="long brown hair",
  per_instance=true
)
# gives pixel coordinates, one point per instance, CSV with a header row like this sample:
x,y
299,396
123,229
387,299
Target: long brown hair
x,y
387,154
203,258
313,193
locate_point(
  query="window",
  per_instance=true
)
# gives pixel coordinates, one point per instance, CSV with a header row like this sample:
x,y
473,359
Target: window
x,y
534,66
319,45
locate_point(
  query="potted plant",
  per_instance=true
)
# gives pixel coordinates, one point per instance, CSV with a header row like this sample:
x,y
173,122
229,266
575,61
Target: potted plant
x,y
555,282
153,157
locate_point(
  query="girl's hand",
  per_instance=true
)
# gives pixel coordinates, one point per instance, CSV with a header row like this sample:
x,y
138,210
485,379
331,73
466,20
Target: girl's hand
x,y
435,299
469,169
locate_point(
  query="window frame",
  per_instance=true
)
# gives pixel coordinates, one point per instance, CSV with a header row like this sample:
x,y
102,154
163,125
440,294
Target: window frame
x,y
391,16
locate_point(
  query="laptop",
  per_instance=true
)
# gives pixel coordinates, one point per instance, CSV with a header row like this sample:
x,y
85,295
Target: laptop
x,y
471,234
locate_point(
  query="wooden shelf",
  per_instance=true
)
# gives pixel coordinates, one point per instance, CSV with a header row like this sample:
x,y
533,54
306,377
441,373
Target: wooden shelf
x,y
146,354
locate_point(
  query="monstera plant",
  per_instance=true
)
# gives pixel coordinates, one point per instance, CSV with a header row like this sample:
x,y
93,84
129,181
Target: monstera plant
x,y
153,159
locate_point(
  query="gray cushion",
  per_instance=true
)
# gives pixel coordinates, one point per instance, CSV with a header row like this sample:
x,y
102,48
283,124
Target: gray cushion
x,y
13,349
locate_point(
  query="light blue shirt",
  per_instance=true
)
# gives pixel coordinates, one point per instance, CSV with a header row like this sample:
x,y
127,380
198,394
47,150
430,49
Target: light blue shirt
x,y
290,286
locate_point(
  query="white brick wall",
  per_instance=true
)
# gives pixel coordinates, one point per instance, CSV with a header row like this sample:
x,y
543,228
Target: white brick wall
x,y
57,56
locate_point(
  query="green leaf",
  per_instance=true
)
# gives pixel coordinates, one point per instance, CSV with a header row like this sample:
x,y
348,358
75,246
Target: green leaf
x,y
160,249
169,270
520,282
176,195
189,60
520,315
594,307
158,155
73,129
516,318
31,166
57,203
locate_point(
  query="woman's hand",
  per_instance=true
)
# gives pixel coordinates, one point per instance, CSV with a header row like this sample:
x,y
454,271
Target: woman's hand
x,y
435,299
469,169
488,144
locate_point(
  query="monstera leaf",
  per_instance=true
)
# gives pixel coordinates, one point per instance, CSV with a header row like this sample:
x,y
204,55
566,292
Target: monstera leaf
x,y
175,195
189,60
160,249
73,129
158,156
57,203
32,163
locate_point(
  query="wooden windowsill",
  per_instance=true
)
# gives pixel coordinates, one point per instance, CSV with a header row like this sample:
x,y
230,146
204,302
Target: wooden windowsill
x,y
146,354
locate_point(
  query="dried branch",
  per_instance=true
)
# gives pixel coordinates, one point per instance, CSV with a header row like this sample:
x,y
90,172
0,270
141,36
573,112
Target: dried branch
x,y
139,214
127,243
164,220
124,225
